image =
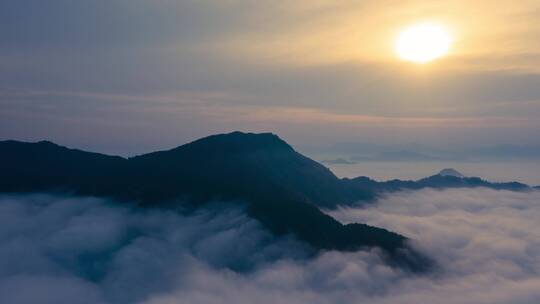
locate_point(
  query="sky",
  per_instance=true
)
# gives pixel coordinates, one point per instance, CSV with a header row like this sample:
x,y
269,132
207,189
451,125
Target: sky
x,y
128,77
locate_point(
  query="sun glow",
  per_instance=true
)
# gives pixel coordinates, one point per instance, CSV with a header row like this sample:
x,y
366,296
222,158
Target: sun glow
x,y
423,43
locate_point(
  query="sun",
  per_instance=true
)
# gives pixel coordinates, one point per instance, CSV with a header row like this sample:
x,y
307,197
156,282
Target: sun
x,y
424,42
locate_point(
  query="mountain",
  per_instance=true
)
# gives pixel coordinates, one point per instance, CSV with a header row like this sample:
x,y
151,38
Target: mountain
x,y
236,165
450,172
446,178
278,186
45,166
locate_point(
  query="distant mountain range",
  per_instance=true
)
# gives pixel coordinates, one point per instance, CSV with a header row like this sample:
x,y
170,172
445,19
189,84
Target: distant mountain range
x,y
446,178
278,186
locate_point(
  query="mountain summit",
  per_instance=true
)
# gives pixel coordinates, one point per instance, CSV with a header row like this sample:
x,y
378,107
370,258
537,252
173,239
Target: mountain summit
x,y
450,172
237,165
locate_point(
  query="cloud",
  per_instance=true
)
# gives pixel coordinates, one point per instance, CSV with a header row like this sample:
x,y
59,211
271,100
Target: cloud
x,y
84,250
486,241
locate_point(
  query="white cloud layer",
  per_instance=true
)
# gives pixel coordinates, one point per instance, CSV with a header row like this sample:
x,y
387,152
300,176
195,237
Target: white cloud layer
x,y
66,250
486,241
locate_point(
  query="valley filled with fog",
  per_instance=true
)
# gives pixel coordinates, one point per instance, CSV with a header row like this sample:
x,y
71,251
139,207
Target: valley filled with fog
x,y
53,249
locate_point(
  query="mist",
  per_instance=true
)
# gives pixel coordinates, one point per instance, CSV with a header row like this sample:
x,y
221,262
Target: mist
x,y
57,249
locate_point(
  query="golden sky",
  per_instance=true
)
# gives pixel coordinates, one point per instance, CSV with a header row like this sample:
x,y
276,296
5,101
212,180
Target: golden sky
x,y
289,67
489,35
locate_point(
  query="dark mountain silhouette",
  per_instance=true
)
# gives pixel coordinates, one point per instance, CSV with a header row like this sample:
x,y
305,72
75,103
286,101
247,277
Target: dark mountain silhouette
x,y
231,165
45,166
278,186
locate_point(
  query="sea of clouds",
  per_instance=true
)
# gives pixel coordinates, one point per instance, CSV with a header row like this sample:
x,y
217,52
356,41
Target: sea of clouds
x,y
85,250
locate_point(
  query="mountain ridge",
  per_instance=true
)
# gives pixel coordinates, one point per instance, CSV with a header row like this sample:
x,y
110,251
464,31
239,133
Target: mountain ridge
x,y
436,181
335,191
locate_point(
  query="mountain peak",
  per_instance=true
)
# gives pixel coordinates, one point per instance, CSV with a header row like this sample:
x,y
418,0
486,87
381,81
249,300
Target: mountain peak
x,y
450,172
240,142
